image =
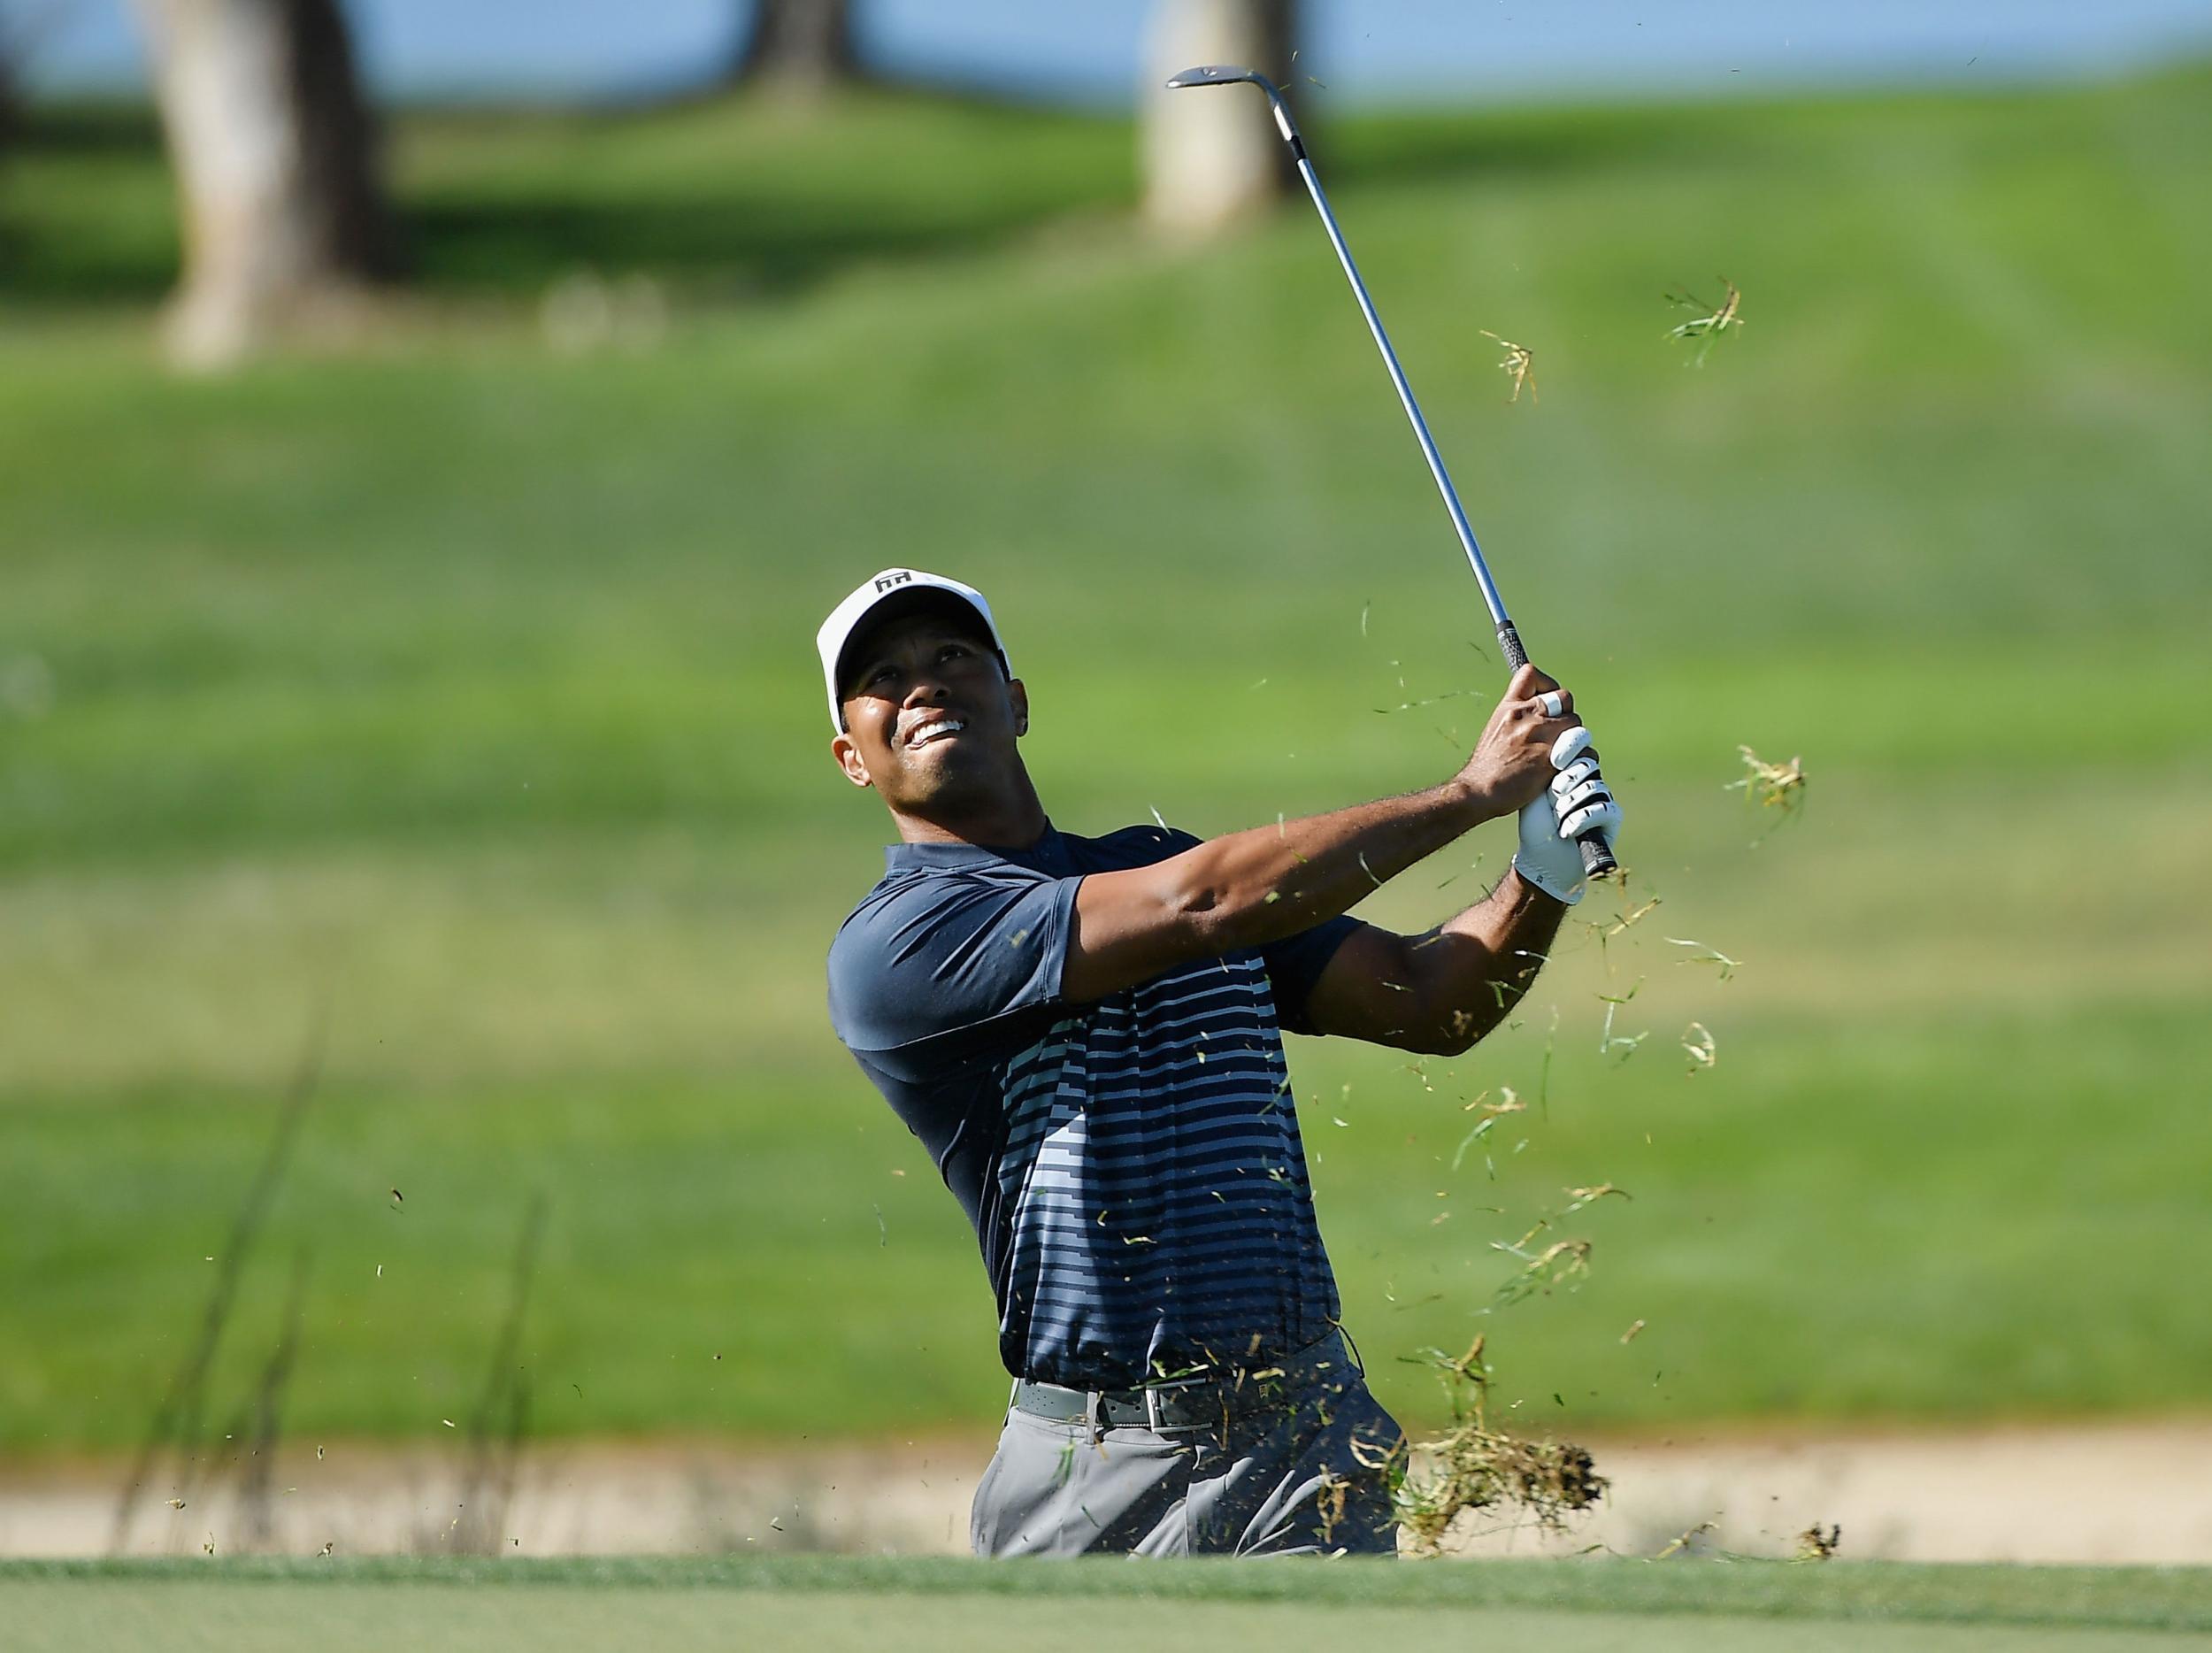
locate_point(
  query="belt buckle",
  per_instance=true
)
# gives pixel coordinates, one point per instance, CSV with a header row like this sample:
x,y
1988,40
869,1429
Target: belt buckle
x,y
1154,1392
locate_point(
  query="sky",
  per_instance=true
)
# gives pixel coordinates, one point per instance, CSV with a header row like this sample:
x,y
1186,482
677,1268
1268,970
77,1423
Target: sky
x,y
1375,52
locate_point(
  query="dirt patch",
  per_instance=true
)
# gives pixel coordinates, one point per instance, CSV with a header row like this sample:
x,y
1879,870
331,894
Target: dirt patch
x,y
2113,1493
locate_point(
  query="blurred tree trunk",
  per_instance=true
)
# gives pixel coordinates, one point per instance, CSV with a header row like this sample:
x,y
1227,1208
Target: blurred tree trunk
x,y
17,40
1212,158
800,48
275,155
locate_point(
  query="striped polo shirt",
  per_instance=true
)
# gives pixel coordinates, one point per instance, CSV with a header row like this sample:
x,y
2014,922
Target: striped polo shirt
x,y
1132,1167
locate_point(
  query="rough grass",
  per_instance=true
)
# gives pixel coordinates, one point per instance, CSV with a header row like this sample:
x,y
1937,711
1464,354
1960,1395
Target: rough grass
x,y
460,686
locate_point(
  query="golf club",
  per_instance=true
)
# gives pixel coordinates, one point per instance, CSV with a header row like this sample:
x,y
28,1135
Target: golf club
x,y
1597,860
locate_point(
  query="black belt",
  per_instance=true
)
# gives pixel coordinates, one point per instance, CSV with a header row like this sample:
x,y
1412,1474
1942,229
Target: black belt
x,y
1195,1402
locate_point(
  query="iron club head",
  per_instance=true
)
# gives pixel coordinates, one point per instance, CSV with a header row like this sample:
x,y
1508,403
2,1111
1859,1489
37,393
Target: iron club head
x,y
1229,74
1222,75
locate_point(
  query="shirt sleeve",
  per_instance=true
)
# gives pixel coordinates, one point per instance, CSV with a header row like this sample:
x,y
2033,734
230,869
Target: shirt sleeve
x,y
1295,963
949,956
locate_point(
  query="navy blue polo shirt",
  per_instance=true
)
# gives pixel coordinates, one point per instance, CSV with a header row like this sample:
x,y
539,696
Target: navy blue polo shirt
x,y
1132,1167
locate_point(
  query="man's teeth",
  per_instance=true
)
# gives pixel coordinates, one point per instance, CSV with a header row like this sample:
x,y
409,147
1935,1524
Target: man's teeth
x,y
950,725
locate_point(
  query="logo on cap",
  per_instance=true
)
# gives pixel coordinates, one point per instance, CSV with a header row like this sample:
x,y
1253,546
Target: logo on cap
x,y
884,582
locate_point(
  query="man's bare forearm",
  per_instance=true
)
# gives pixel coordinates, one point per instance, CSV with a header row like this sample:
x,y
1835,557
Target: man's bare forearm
x,y
1469,973
1268,882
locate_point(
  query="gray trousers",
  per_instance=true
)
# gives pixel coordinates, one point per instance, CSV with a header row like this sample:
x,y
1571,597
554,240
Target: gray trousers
x,y
1284,1481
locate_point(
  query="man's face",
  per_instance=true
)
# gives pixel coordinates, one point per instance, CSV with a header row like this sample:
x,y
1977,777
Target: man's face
x,y
930,718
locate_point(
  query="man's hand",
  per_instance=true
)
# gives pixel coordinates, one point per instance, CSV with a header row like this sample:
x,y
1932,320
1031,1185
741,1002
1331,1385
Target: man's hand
x,y
1440,992
1512,762
1578,800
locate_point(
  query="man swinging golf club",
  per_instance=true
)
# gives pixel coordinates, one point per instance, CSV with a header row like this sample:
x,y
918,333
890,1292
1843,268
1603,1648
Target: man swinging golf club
x,y
1085,1034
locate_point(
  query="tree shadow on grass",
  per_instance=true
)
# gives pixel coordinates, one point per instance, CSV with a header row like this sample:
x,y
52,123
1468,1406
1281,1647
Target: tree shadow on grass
x,y
717,251
724,197
716,197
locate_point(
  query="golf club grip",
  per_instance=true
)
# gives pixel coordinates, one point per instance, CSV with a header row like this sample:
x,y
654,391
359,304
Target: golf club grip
x,y
1597,860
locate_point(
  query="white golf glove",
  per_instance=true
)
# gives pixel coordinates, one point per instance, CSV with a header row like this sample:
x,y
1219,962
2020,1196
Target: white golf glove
x,y
1578,800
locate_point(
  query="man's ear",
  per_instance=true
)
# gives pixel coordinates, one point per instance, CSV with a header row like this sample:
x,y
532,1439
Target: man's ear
x,y
848,756
1018,692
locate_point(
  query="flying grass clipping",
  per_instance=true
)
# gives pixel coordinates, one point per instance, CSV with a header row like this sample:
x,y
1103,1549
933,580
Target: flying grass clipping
x,y
1778,786
1712,320
1518,364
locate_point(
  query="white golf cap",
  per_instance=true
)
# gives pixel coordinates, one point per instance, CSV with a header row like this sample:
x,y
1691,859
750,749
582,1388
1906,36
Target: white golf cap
x,y
894,587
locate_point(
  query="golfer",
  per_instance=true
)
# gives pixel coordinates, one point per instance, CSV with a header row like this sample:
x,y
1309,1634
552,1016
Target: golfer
x,y
1086,1033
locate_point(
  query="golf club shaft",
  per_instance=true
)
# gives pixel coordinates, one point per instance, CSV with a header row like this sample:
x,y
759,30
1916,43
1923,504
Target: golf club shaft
x,y
1508,639
1597,860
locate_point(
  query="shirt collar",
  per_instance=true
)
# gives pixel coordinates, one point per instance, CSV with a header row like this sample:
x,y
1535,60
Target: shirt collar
x,y
1049,854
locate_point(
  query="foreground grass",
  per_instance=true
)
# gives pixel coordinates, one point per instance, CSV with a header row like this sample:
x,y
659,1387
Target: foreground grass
x,y
454,696
860,1604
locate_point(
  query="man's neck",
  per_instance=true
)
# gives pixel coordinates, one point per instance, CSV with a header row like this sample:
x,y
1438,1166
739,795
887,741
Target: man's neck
x,y
1014,821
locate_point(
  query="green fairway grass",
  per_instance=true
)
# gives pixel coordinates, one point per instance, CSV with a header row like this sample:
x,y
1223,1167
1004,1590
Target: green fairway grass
x,y
452,694
856,1604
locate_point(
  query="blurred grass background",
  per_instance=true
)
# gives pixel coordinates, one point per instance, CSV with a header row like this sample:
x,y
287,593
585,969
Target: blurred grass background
x,y
458,687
